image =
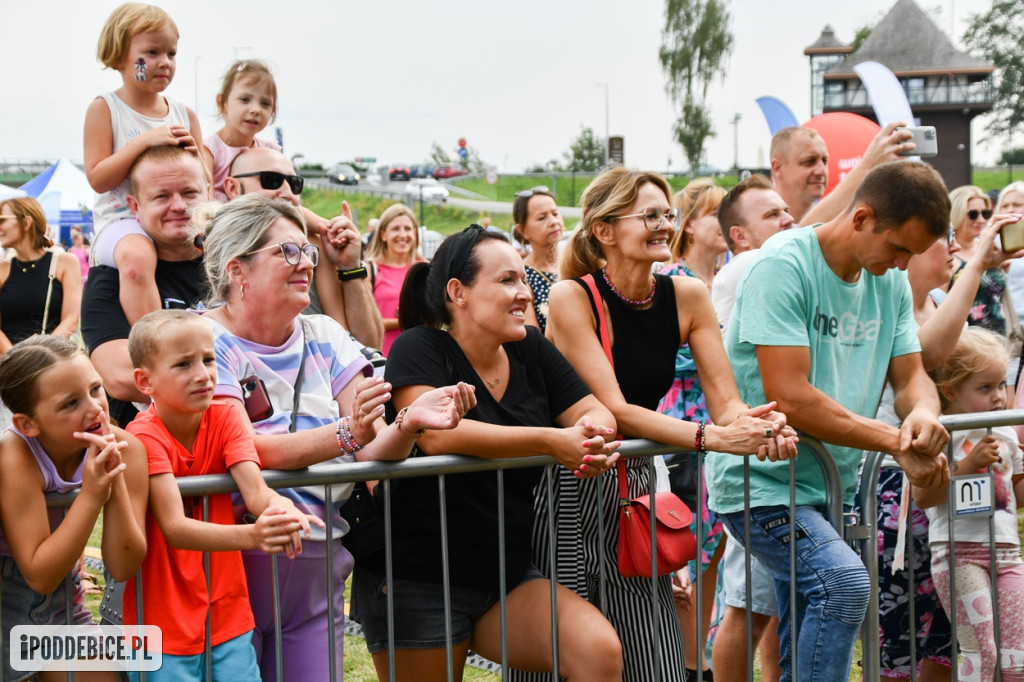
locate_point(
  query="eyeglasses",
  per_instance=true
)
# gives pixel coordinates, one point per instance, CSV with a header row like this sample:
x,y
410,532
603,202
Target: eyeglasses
x,y
527,193
974,213
291,251
271,180
653,218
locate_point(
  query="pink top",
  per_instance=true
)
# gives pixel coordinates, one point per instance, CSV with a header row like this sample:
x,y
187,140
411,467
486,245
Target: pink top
x,y
224,156
83,260
387,285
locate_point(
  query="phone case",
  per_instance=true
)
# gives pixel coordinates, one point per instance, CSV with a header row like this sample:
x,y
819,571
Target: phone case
x,y
1012,236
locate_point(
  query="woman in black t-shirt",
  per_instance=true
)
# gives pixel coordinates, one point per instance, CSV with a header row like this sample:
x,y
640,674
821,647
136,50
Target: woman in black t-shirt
x,y
464,316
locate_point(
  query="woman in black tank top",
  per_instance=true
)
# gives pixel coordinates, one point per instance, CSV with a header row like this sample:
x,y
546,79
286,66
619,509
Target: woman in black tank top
x,y
627,223
30,303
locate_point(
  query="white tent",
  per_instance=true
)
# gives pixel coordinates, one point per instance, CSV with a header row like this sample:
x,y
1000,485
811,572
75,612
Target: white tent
x,y
10,192
66,197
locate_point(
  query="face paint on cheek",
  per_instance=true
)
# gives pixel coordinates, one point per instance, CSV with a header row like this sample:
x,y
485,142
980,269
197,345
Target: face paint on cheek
x,y
140,69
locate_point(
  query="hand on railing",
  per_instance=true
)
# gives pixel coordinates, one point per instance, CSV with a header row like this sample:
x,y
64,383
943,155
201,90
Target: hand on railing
x,y
280,528
586,449
758,430
984,454
922,439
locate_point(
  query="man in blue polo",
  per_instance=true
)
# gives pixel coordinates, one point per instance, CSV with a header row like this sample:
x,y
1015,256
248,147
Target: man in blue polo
x,y
822,318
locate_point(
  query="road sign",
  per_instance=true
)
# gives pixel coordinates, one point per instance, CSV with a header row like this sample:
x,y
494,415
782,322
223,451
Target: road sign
x,y
492,177
616,151
463,153
462,142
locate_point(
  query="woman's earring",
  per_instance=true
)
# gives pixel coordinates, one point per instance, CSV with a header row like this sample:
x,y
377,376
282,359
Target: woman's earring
x,y
243,291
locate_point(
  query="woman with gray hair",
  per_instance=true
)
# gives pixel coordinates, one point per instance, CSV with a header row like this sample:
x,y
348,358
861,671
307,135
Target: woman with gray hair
x,y
306,388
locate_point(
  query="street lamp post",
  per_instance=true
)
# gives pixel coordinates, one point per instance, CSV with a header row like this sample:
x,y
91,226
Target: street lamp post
x,y
607,130
195,81
736,141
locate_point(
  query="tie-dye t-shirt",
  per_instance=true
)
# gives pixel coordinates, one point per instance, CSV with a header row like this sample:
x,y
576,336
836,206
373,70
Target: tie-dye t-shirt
x,y
333,359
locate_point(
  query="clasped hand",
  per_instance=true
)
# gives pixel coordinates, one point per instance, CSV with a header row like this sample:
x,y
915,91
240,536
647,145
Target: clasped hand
x,y
587,449
922,440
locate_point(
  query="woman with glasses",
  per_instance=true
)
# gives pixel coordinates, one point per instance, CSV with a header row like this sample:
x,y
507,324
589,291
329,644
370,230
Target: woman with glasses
x,y
393,250
306,388
538,223
627,223
970,212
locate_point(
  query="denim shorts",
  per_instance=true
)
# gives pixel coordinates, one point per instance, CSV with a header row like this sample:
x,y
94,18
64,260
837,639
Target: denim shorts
x,y
419,610
24,606
734,581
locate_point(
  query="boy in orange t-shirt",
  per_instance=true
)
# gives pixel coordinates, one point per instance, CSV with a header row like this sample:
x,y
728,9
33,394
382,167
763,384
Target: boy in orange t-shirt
x,y
186,433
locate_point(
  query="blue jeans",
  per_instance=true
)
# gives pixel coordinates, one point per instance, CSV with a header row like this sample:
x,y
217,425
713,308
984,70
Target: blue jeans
x,y
831,585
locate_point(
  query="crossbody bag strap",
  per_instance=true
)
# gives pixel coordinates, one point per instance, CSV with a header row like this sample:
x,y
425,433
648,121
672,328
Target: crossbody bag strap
x,y
602,333
299,376
49,290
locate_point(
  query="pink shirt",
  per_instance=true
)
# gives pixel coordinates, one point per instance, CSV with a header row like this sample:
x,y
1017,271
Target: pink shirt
x,y
387,285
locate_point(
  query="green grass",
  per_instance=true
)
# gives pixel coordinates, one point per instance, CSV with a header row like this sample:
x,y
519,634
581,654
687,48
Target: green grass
x,y
997,179
444,219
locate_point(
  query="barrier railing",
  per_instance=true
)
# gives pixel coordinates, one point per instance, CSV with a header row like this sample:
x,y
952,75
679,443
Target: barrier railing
x,y
869,552
441,466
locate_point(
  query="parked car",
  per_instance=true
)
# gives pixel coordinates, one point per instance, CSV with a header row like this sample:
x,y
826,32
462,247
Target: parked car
x,y
344,174
448,170
429,189
398,171
421,170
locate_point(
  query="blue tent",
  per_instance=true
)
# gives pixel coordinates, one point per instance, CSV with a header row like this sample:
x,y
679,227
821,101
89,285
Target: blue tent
x,y
66,197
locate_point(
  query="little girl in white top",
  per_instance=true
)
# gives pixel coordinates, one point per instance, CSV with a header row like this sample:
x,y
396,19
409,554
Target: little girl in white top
x,y
248,103
974,380
141,43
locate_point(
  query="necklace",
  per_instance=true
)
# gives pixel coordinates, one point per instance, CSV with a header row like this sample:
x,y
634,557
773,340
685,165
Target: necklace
x,y
636,303
492,384
30,266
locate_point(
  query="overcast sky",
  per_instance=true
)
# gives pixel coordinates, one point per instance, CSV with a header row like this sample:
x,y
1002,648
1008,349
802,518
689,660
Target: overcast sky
x,y
386,78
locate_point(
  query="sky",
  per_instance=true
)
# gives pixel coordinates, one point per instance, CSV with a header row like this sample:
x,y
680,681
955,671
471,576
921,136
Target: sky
x,y
386,78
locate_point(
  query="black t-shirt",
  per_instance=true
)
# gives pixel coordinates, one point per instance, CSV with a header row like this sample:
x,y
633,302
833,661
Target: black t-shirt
x,y
182,284
542,385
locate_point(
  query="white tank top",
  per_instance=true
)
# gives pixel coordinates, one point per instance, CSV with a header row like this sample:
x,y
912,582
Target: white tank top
x,y
126,124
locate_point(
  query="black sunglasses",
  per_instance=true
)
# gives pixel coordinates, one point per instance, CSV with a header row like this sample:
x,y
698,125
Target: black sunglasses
x,y
974,213
271,180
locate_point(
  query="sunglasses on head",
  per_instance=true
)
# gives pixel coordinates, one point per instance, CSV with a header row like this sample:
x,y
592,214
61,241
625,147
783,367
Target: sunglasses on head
x,y
527,193
974,213
271,180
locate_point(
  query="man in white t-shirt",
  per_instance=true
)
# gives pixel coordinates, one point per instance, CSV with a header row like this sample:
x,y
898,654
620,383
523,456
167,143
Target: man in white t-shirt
x,y
749,214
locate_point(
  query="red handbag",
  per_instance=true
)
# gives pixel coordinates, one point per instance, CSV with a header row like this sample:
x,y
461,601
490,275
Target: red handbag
x,y
675,544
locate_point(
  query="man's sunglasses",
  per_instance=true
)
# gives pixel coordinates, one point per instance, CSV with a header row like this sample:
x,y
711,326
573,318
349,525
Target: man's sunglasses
x,y
271,180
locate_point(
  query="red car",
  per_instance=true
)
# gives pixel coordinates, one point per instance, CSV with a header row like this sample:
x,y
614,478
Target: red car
x,y
448,170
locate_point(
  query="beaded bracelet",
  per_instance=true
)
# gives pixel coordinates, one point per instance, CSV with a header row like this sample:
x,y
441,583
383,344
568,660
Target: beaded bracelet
x,y
699,444
347,442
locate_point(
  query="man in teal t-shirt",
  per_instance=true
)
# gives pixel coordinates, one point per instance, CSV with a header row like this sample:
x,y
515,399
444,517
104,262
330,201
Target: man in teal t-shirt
x,y
821,319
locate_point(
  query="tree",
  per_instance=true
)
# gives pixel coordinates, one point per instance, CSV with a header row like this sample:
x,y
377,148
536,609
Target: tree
x,y
996,36
438,155
695,43
1013,156
585,152
473,163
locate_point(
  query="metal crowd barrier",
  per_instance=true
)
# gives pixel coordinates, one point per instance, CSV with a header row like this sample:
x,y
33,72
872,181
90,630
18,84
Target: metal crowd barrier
x,y
442,466
869,502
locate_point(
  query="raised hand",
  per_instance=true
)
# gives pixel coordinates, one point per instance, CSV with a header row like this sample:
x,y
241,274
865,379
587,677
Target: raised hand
x,y
367,407
341,240
102,461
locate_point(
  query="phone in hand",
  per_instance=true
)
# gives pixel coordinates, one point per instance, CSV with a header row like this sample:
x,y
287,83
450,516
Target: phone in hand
x,y
254,396
926,143
1012,236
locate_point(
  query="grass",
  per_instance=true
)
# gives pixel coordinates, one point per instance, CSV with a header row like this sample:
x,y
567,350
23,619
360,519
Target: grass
x,y
996,179
444,219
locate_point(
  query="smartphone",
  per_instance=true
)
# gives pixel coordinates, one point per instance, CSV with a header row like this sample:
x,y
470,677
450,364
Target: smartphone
x,y
925,141
1012,236
254,396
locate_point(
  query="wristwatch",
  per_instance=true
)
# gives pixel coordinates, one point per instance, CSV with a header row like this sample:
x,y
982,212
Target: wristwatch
x,y
358,272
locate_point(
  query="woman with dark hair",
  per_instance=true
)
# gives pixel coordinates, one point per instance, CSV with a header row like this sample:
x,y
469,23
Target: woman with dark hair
x,y
627,222
539,224
463,319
